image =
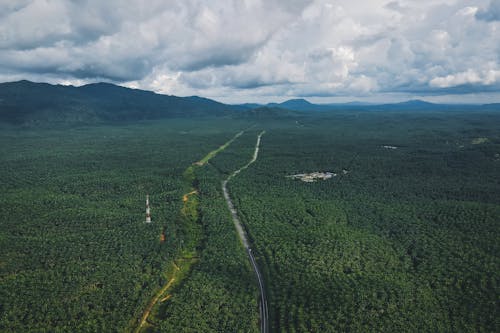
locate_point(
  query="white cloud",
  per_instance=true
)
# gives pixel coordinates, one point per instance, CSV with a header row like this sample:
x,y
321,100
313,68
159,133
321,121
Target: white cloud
x,y
468,77
227,48
363,85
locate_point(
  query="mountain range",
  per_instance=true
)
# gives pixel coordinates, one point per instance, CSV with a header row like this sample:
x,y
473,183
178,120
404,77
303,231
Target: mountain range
x,y
411,105
25,102
32,104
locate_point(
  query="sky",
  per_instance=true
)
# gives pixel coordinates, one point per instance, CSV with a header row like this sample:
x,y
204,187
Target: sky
x,y
239,51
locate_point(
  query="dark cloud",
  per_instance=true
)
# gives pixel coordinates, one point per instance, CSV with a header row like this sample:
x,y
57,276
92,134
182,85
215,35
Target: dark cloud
x,y
426,90
224,55
491,13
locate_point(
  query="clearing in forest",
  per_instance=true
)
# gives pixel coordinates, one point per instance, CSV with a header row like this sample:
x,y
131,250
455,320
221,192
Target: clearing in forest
x,y
189,212
313,176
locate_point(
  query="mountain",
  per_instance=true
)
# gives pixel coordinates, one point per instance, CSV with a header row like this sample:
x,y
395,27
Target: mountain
x,y
492,106
304,105
415,104
30,103
296,104
411,105
301,104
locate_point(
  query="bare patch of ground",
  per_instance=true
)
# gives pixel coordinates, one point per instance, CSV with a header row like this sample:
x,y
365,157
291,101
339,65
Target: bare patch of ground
x,y
478,141
313,176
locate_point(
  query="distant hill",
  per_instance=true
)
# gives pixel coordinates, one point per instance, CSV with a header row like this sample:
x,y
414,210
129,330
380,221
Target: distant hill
x,y
26,103
294,104
491,106
414,104
411,105
300,104
250,105
31,104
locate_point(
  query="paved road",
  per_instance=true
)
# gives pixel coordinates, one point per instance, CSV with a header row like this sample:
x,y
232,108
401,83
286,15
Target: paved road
x,y
263,311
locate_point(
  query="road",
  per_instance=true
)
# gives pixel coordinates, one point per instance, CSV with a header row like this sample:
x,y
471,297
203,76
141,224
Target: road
x,y
263,310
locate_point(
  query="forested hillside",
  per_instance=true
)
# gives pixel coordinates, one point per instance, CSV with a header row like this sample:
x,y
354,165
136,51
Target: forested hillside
x,y
34,104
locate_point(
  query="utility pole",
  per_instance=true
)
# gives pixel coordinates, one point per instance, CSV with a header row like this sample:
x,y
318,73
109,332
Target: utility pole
x,y
148,212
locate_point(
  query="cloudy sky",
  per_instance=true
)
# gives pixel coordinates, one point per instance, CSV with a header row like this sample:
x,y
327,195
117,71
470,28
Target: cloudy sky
x,y
260,50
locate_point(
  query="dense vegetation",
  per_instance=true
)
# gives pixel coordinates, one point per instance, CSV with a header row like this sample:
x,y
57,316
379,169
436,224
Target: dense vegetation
x,y
34,105
219,295
404,239
75,254
40,104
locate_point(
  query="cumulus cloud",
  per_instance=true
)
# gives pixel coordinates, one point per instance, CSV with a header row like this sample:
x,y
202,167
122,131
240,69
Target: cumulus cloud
x,y
254,48
468,77
125,40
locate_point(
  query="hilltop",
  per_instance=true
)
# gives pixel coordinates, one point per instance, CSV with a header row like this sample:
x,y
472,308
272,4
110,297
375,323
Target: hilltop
x,y
26,102
31,104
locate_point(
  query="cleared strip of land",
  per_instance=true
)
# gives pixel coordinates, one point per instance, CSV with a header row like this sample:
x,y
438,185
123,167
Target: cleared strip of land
x,y
189,209
218,150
